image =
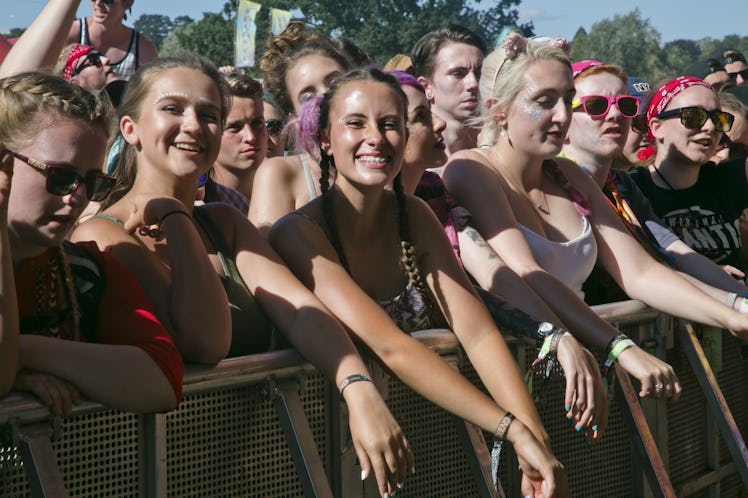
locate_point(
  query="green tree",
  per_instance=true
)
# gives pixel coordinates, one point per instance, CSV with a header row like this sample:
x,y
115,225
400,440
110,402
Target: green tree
x,y
212,37
579,45
155,27
628,41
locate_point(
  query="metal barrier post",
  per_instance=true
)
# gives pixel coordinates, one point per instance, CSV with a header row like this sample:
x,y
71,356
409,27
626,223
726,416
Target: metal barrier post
x,y
715,400
477,455
652,463
153,449
40,461
285,396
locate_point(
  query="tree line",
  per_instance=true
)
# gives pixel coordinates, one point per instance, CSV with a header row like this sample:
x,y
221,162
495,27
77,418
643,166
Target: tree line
x,y
382,29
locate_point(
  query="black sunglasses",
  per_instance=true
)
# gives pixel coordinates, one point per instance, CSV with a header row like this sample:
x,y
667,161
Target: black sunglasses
x,y
63,181
274,126
639,124
695,117
92,59
743,73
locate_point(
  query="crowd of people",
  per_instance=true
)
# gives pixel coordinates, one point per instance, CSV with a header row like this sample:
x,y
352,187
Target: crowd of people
x,y
158,211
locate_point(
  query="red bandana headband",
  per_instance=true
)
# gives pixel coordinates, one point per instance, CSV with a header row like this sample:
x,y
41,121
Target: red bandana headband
x,y
76,53
666,93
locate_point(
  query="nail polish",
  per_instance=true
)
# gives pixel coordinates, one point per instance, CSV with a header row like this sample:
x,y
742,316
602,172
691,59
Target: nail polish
x,y
364,474
594,427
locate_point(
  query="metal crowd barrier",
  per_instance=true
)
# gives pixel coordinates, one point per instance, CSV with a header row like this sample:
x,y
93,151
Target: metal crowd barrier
x,y
271,426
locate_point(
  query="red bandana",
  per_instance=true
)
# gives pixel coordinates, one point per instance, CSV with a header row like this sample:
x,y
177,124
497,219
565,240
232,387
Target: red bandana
x,y
665,94
76,53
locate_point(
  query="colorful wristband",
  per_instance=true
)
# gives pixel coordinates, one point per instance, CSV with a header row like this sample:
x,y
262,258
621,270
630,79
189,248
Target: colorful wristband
x,y
744,306
616,351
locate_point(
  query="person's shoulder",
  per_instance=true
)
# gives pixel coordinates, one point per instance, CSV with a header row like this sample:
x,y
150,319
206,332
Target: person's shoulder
x,y
147,50
74,33
103,228
280,168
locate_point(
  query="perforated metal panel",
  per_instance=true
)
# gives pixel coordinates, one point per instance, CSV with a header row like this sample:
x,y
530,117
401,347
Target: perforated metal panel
x,y
441,464
97,455
593,471
687,418
229,443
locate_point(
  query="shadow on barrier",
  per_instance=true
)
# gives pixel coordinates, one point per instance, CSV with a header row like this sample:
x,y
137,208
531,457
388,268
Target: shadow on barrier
x,y
227,439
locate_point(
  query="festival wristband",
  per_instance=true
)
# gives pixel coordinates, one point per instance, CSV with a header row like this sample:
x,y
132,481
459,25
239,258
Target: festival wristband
x,y
351,379
616,351
730,299
503,427
744,306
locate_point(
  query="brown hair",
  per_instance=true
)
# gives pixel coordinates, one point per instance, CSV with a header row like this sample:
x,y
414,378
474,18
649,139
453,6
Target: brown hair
x,y
125,168
428,46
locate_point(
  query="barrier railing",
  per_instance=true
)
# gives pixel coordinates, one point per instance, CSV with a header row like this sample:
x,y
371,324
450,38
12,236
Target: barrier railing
x,y
270,425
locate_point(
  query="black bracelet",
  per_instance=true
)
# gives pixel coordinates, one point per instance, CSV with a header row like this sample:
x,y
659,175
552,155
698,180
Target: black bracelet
x,y
351,379
503,427
175,211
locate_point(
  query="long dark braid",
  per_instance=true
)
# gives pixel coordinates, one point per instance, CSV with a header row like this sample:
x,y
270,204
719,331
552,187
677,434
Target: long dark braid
x,y
325,163
408,250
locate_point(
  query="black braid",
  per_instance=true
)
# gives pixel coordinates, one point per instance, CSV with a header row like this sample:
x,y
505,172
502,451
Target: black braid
x,y
324,165
408,256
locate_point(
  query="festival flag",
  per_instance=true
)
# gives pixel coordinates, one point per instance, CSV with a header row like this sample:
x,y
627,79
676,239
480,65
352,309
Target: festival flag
x,y
246,29
279,19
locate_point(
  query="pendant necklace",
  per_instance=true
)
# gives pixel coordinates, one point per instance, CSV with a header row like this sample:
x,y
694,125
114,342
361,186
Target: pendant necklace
x,y
662,177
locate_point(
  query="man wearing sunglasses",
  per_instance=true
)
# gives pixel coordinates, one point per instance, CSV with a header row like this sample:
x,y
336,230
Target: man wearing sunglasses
x,y
103,30
735,65
82,65
243,145
602,113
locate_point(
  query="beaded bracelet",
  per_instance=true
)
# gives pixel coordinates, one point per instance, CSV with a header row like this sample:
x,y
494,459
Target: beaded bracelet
x,y
503,427
351,379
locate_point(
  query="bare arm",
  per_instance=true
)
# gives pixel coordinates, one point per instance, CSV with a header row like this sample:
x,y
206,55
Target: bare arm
x,y
189,298
273,192
319,337
707,276
122,377
40,45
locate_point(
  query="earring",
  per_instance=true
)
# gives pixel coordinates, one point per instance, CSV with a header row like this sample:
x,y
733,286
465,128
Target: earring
x,y
502,133
428,95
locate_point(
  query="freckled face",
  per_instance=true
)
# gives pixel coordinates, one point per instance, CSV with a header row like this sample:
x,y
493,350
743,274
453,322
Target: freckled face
x,y
539,117
599,138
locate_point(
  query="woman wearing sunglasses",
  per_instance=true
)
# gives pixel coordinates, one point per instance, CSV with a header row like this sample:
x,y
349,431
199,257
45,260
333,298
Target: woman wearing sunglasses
x,y
548,220
594,141
74,320
700,201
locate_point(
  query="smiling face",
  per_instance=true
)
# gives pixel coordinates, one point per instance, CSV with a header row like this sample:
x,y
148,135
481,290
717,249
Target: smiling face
x,y
425,147
454,85
310,75
38,219
683,145
179,128
113,13
244,139
598,140
367,133
538,119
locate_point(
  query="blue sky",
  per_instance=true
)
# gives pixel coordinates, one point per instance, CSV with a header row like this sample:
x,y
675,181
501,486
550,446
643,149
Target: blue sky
x,y
674,19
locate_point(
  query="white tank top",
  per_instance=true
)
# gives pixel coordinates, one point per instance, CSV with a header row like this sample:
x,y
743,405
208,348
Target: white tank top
x,y
571,262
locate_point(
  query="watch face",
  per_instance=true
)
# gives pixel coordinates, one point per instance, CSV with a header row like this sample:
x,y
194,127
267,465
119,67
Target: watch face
x,y
545,328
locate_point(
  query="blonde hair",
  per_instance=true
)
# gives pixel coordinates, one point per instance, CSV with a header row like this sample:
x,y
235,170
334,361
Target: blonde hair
x,y
502,75
32,101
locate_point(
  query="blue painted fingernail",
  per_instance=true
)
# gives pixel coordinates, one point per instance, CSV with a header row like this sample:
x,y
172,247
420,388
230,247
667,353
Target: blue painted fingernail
x,y
594,427
568,408
579,429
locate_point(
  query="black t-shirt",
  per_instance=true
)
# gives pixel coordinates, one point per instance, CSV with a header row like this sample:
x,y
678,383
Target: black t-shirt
x,y
706,215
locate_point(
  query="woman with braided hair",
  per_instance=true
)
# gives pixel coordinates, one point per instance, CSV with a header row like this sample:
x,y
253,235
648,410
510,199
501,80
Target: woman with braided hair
x,y
359,244
212,275
74,321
